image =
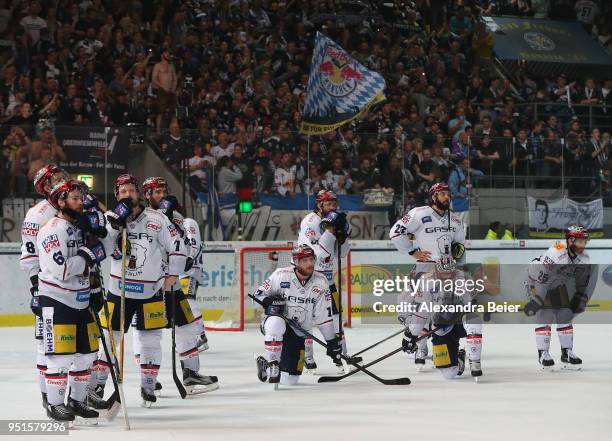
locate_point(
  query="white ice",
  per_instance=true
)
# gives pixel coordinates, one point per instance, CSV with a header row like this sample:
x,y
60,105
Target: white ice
x,y
513,401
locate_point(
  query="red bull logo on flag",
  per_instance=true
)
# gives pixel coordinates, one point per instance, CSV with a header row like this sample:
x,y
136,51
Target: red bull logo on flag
x,y
339,88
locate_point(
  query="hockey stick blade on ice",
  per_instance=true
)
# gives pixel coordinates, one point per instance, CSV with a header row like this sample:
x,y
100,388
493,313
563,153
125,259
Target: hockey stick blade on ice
x,y
333,379
297,327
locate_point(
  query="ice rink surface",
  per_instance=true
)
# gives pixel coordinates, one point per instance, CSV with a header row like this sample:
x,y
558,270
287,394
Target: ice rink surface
x,y
514,400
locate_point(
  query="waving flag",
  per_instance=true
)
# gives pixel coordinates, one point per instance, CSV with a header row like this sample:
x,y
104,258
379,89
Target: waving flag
x,y
339,88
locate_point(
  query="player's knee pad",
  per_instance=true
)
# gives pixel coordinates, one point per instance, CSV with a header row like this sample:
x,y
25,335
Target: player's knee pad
x,y
449,372
59,363
186,337
289,380
83,362
274,328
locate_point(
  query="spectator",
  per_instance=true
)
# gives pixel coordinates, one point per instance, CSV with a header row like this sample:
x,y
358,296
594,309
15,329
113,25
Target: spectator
x,y
488,156
224,146
285,176
229,176
365,177
460,189
199,166
458,124
261,179
338,179
482,44
552,156
33,23
523,154
164,82
173,144
495,231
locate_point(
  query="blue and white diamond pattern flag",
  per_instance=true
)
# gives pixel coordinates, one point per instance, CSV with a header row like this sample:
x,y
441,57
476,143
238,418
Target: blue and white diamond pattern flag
x,y
339,88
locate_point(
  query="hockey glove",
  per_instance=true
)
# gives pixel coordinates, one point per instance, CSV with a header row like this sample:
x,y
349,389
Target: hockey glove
x,y
168,205
96,301
533,306
329,220
334,348
92,254
274,304
92,222
35,301
409,343
457,249
118,216
188,264
90,202
579,302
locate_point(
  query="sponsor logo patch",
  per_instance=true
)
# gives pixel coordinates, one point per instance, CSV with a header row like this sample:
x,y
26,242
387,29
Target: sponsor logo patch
x,y
153,226
50,243
82,296
172,230
133,287
425,219
285,285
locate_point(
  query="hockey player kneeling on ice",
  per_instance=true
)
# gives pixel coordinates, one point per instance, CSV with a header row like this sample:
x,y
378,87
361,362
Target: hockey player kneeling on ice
x,y
428,234
37,216
70,334
322,230
302,295
443,308
188,329
151,240
550,276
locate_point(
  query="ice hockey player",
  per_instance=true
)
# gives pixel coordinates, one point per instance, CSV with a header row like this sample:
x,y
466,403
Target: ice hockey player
x,y
69,332
436,291
425,234
36,217
321,230
151,239
550,276
189,330
301,294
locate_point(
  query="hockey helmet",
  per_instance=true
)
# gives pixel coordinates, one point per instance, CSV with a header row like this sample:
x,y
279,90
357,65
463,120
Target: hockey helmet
x,y
154,182
61,190
326,195
301,251
440,186
124,180
43,176
576,232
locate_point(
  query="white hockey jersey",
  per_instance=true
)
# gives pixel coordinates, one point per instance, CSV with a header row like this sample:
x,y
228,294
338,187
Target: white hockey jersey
x,y
34,220
63,276
431,233
556,268
192,230
153,239
308,303
323,244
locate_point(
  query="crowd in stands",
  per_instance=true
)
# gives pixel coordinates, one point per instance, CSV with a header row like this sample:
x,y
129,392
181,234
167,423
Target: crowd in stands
x,y
220,85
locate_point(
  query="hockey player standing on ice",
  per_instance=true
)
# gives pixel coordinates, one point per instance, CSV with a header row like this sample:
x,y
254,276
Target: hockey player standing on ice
x,y
189,328
436,291
301,294
70,334
428,234
548,280
320,230
36,218
151,239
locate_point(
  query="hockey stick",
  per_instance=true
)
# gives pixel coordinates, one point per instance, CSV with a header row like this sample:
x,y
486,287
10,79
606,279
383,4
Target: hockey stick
x,y
338,246
122,308
297,327
177,381
333,379
118,386
380,342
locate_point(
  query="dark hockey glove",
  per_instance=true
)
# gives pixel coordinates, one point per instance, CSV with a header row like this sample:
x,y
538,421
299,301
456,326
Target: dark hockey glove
x,y
409,343
343,228
90,202
94,253
92,222
119,215
579,302
96,300
35,301
457,249
533,306
188,264
329,220
334,348
274,304
168,205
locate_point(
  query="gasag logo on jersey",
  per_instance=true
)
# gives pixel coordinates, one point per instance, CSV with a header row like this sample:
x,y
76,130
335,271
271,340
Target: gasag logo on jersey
x,y
300,300
137,288
153,226
425,219
285,285
29,229
439,229
140,236
50,243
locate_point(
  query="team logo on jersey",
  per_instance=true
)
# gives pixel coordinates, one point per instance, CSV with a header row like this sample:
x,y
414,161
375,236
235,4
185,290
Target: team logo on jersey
x,y
29,229
406,219
137,257
266,285
172,230
310,233
548,261
153,226
285,285
444,245
50,243
191,230
425,219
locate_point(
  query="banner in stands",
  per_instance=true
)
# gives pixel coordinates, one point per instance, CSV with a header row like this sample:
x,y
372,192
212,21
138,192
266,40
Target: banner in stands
x,y
267,223
550,217
89,148
550,41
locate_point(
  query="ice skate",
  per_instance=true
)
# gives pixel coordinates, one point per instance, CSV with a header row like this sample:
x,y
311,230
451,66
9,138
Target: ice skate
x,y
60,413
148,398
198,384
310,365
84,415
419,359
546,361
475,369
461,362
570,360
